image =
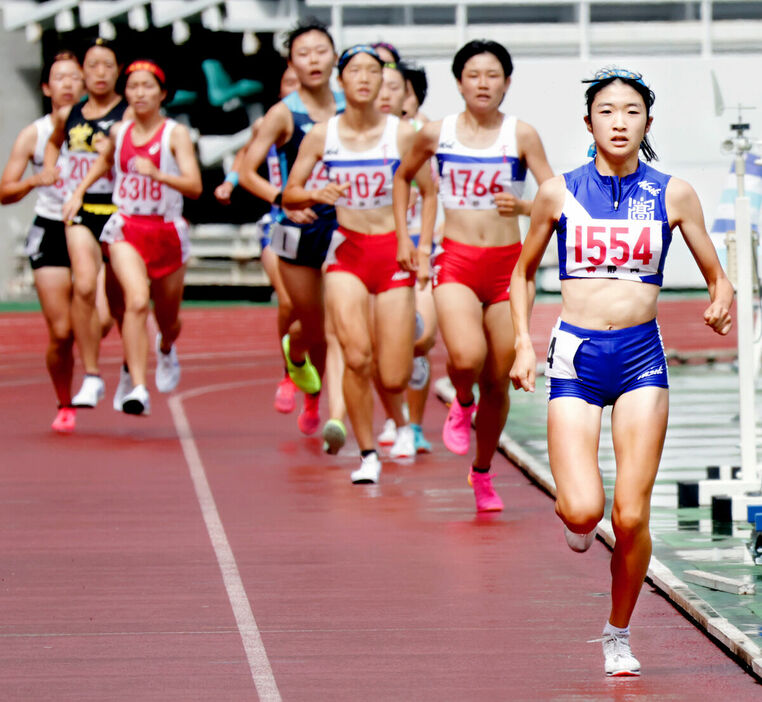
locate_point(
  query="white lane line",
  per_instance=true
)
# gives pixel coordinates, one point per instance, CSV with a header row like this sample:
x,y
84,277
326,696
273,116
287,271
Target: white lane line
x,y
259,664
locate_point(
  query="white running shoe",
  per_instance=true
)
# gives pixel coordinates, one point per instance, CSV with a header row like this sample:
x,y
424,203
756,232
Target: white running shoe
x,y
91,393
369,470
617,654
124,387
388,434
404,445
421,372
137,401
579,542
167,368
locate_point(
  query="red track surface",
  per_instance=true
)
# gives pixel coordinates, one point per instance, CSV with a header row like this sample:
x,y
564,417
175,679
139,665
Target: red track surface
x,y
112,589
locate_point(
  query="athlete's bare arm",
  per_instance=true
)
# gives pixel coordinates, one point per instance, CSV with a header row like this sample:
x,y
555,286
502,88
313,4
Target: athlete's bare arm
x,y
684,210
13,186
225,189
49,173
188,182
545,214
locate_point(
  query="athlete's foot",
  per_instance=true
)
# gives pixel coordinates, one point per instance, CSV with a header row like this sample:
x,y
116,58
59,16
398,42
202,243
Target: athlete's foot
x,y
304,375
404,444
285,395
456,432
421,444
579,542
617,655
123,388
487,500
137,402
421,373
167,368
309,418
91,392
369,470
388,434
334,436
65,420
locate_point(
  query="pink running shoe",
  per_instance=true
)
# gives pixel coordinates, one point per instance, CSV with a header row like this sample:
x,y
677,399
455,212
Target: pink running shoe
x,y
456,432
65,420
309,418
285,395
487,500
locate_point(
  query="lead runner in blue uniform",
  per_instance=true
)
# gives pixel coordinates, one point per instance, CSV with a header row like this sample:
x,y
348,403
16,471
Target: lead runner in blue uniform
x,y
613,219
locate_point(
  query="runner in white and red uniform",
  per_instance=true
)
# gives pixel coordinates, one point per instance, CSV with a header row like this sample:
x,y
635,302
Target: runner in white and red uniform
x,y
46,242
483,158
147,237
361,149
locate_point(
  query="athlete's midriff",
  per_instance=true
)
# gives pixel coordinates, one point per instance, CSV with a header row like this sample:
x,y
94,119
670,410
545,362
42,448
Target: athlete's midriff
x,y
602,303
379,220
481,228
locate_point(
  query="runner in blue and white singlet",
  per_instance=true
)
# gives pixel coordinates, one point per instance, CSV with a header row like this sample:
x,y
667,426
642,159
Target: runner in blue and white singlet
x,y
613,218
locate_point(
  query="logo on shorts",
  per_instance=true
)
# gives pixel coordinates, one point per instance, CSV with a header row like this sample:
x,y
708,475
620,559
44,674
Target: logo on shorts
x,y
653,371
401,275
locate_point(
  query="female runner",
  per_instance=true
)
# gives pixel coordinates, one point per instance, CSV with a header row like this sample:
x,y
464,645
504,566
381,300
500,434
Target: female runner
x,y
483,157
82,127
147,237
390,100
361,150
46,242
614,219
285,392
301,238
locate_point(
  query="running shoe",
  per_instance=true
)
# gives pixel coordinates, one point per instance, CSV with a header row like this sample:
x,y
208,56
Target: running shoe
x,y
456,432
167,368
305,377
309,418
388,434
487,500
91,392
421,373
65,420
421,444
617,655
579,542
123,388
404,445
369,470
137,401
285,395
334,436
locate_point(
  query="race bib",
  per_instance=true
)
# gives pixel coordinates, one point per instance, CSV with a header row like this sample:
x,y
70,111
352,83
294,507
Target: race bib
x,y
284,240
561,351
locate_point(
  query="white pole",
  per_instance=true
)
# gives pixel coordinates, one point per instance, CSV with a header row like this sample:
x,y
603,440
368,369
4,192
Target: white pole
x,y
745,322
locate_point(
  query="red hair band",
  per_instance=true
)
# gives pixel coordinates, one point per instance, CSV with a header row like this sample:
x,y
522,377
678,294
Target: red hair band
x,y
149,66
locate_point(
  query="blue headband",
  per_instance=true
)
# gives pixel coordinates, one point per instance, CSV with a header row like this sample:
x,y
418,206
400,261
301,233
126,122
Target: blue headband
x,y
611,73
347,54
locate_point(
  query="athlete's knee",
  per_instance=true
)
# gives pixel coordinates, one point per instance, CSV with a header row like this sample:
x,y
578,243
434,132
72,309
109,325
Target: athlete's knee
x,y
61,334
466,360
137,303
359,359
629,520
85,290
581,514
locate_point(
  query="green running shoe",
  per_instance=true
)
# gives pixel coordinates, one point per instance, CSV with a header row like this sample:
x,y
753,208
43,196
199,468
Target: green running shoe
x,y
305,377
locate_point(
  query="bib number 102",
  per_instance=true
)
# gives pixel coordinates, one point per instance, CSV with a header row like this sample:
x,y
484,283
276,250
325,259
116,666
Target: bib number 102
x,y
596,244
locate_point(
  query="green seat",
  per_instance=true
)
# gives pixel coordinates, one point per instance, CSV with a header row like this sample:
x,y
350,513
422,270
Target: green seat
x,y
182,98
221,90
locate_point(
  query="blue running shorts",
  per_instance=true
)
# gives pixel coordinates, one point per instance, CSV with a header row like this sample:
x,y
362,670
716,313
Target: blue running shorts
x,y
599,366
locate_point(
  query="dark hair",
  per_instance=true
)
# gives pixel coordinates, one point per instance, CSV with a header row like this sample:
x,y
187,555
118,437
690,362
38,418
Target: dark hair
x,y
62,55
308,25
643,90
481,46
103,44
389,47
417,77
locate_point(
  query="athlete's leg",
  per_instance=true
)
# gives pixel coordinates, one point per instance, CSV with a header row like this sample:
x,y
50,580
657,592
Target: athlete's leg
x,y
424,305
130,271
574,429
54,286
167,296
348,303
638,424
334,371
493,382
271,264
461,322
109,301
305,288
86,261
